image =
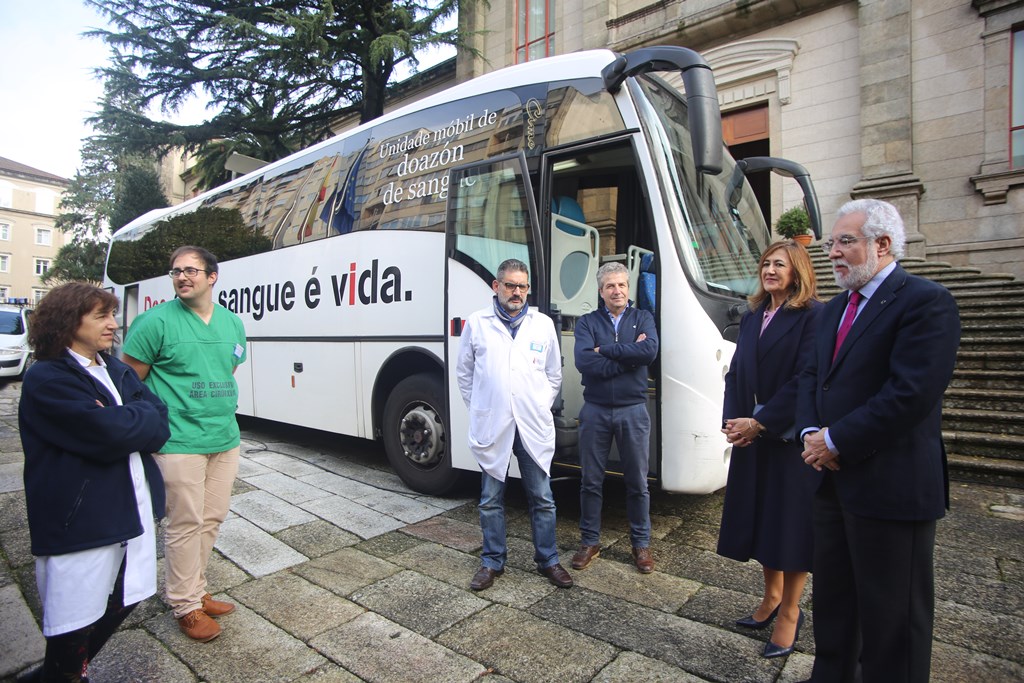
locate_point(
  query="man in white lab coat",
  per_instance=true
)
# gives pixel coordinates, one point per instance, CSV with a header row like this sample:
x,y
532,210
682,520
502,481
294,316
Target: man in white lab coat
x,y
509,371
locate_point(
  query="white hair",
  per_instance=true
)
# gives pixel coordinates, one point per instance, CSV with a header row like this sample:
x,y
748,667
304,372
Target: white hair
x,y
609,268
880,218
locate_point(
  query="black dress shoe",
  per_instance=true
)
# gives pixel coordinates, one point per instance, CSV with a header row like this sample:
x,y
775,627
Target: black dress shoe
x,y
771,650
484,578
751,622
557,575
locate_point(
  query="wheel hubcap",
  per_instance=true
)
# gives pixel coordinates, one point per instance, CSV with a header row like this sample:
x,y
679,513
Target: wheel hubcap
x,y
422,436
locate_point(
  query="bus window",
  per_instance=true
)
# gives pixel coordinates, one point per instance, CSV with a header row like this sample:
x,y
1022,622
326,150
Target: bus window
x,y
489,218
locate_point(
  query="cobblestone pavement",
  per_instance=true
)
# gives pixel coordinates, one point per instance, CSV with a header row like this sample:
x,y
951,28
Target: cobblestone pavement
x,y
341,573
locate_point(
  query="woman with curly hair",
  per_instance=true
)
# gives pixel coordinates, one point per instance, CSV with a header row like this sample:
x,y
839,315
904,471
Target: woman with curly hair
x,y
88,426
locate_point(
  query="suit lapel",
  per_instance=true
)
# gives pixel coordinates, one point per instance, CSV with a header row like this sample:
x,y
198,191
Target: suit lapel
x,y
883,297
782,322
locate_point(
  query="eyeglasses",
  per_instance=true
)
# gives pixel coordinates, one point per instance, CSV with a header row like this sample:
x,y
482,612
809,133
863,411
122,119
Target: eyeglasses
x,y
512,286
189,272
843,242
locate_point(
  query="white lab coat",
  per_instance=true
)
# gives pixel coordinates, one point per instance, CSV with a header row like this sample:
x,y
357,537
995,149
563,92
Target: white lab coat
x,y
509,383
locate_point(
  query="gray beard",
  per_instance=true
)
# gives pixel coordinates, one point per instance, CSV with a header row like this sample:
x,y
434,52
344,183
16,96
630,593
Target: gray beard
x,y
858,276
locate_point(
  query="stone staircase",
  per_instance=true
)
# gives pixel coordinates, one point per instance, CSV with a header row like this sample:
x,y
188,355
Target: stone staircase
x,y
983,411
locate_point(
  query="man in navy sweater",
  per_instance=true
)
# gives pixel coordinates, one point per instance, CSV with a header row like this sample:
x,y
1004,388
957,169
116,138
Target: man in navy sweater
x,y
614,346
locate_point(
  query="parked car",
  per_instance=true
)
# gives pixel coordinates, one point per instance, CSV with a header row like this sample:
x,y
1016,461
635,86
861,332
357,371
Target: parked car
x,y
15,354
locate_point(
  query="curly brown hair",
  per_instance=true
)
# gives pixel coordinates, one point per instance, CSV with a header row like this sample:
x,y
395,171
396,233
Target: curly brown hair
x,y
57,317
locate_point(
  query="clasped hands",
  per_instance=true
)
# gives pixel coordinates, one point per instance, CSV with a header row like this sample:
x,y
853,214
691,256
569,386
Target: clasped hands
x,y
816,452
741,431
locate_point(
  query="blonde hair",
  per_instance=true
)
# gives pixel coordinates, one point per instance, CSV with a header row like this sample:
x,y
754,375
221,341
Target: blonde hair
x,y
805,285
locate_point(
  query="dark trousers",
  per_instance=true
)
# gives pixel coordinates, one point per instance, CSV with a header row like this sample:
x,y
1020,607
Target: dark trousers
x,y
874,595
68,654
630,426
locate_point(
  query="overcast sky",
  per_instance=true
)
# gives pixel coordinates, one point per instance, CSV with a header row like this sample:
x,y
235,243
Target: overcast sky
x,y
47,86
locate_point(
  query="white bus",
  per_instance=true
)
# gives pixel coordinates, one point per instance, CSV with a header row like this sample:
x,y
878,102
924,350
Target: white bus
x,y
354,263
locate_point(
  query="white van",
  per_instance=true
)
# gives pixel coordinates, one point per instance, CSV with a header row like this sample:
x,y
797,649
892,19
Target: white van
x,y
15,354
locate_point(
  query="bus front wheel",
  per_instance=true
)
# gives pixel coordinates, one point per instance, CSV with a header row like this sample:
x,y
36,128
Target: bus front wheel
x,y
414,435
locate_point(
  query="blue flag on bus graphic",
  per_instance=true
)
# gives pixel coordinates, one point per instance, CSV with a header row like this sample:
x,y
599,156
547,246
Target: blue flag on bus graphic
x,y
340,210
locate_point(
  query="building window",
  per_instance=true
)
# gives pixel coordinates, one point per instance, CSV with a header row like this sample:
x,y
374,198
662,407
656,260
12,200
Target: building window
x,y
42,266
3,293
535,29
5,232
37,296
6,194
1017,100
5,263
44,237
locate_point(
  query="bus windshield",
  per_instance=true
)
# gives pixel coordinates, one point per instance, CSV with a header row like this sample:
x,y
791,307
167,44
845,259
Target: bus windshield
x,y
718,240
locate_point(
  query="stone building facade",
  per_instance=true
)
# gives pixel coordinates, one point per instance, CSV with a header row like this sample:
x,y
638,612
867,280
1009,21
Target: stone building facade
x,y
906,100
29,240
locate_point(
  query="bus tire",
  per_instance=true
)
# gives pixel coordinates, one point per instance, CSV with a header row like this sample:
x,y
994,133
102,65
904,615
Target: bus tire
x,y
414,435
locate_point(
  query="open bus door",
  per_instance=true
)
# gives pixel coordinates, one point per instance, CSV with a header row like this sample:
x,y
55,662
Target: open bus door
x,y
492,217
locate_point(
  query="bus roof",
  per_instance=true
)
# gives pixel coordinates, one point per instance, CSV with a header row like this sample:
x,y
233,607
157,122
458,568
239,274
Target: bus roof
x,y
585,64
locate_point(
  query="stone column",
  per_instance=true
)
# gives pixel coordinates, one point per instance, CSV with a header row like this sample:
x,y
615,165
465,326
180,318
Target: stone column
x,y
886,124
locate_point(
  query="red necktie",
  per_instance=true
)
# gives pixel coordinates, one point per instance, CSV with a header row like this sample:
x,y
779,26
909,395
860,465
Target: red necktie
x,y
844,328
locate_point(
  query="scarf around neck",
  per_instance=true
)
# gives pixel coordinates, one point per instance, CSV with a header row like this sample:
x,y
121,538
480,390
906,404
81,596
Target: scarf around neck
x,y
512,322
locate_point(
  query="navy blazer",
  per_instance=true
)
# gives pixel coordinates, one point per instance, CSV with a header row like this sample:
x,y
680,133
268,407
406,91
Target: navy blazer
x,y
882,398
765,368
77,440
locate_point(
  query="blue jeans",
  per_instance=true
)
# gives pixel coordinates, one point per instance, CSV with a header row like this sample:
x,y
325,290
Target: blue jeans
x,y
630,426
541,503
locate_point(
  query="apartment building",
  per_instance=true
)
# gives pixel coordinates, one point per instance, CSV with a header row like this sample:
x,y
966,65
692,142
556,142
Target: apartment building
x,y
29,240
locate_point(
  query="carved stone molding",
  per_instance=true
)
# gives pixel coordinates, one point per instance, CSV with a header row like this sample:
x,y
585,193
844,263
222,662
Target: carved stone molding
x,y
994,186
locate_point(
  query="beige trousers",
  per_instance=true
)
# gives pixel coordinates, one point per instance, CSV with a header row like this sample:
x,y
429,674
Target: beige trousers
x,y
198,497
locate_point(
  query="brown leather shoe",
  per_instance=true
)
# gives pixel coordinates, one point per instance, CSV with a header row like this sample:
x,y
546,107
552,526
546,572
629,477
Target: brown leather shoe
x,y
197,625
585,555
557,575
216,608
484,578
643,560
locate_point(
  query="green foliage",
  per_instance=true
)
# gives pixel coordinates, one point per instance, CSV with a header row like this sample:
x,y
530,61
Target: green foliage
x,y
221,231
277,72
793,222
136,191
78,260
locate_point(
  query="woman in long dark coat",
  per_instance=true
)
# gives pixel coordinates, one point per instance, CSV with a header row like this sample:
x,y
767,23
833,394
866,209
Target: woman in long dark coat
x,y
767,512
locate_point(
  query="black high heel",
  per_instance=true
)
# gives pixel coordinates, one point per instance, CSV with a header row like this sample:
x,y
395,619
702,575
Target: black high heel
x,y
750,622
771,650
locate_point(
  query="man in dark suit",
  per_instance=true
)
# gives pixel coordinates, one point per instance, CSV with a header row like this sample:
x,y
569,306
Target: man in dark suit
x,y
869,412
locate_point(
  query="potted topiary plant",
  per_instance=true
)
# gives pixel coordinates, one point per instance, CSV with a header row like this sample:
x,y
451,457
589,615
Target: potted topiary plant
x,y
795,225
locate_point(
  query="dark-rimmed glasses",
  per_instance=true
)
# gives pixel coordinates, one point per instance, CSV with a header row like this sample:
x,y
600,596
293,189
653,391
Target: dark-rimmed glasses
x,y
173,273
843,242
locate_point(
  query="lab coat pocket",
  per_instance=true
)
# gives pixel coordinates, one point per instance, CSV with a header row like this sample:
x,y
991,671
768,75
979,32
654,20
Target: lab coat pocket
x,y
481,427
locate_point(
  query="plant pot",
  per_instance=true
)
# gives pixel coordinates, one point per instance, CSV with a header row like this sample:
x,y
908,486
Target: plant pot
x,y
804,239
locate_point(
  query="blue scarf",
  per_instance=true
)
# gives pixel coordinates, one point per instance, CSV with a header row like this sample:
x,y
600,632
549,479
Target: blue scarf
x,y
512,322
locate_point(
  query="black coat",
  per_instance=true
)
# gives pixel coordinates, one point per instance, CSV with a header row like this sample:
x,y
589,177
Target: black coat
x,y
767,511
882,397
78,487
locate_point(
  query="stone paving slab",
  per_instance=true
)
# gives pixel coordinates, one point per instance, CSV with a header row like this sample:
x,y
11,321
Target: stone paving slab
x,y
13,513
444,503
390,544
12,477
527,649
17,545
253,549
703,650
328,673
249,648
630,667
317,538
21,641
136,655
659,591
378,650
287,488
346,570
285,464
951,664
351,516
961,625
452,533
407,509
250,468
338,485
269,512
514,588
720,607
420,603
296,605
